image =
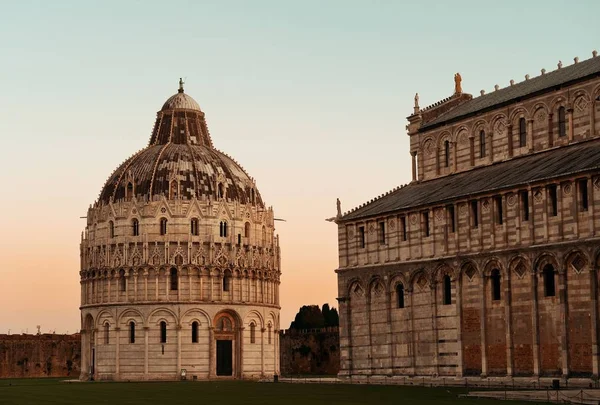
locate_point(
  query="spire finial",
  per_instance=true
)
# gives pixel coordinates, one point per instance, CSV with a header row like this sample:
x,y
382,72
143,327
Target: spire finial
x,y
180,85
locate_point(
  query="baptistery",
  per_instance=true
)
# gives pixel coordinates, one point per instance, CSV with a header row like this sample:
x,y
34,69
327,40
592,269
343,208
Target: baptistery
x,y
180,266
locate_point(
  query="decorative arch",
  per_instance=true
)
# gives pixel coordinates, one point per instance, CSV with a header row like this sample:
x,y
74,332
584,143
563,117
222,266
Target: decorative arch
x,y
469,269
160,317
576,260
557,102
441,271
195,314
397,279
491,264
355,288
226,321
459,131
419,278
444,136
518,113
128,314
544,259
254,316
377,287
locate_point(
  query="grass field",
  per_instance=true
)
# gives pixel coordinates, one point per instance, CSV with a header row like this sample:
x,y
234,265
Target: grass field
x,y
52,391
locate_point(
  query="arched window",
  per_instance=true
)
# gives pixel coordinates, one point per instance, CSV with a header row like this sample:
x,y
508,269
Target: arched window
x,y
220,191
173,190
264,235
122,280
223,229
135,224
194,226
446,153
131,332
496,283
400,295
174,281
549,286
522,132
163,332
226,281
447,290
482,144
562,122
111,229
247,230
252,196
106,333
252,332
129,191
194,332
163,226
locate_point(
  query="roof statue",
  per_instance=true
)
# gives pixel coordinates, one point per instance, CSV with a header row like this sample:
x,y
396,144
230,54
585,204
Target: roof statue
x,y
339,208
416,108
181,82
457,84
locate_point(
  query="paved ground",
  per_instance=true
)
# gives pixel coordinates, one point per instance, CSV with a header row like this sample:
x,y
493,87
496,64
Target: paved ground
x,y
591,397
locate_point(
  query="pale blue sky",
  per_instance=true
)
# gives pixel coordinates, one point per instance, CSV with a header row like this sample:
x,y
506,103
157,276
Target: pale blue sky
x,y
310,96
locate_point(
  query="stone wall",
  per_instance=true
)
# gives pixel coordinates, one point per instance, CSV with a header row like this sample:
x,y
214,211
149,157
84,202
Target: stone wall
x,y
45,355
312,351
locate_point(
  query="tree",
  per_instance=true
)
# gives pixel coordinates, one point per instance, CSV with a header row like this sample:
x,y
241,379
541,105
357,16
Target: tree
x,y
313,317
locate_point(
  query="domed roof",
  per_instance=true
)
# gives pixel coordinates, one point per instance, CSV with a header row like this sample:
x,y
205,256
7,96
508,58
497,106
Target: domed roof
x,y
180,162
180,101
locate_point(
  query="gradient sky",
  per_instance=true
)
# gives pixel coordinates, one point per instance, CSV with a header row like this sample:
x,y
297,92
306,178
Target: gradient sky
x,y
309,96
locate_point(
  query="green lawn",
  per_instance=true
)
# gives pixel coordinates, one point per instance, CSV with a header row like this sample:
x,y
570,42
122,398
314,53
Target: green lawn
x,y
52,391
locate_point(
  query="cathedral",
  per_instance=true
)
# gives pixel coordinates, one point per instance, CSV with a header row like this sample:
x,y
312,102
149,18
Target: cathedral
x,y
486,263
180,266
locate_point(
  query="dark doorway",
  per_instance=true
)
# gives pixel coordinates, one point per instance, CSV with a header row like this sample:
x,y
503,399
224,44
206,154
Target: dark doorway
x,y
224,357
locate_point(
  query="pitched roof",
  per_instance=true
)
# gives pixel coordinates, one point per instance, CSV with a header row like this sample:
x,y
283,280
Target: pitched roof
x,y
554,163
547,81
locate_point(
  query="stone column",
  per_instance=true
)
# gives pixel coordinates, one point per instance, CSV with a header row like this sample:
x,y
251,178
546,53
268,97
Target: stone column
x,y
570,130
146,337
564,318
211,353
591,201
534,324
413,154
484,370
145,284
453,145
550,130
436,359
178,333
83,375
201,277
472,151
262,352
508,316
490,136
156,278
117,351
412,346
135,285
593,107
241,362
460,370
530,146
509,132
594,319
190,295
